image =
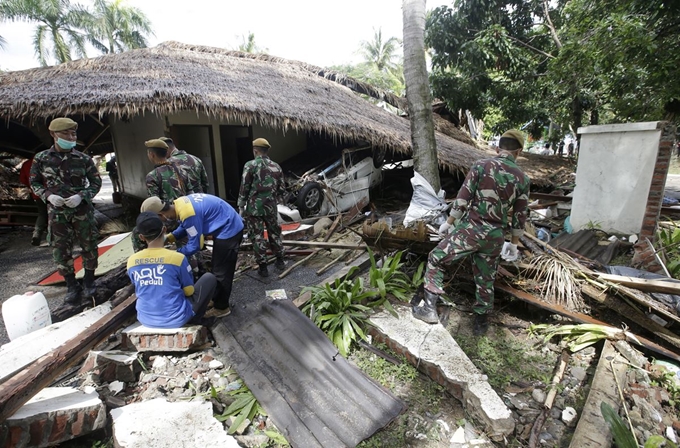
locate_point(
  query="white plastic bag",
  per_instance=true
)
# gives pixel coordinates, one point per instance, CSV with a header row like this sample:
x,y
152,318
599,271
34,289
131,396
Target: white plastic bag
x,y
425,203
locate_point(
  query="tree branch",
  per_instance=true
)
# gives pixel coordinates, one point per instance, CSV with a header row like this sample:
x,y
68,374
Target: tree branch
x,y
550,25
547,55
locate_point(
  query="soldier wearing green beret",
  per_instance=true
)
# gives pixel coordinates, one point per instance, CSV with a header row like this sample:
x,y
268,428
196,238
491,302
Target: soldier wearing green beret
x,y
493,189
191,166
262,183
67,180
166,181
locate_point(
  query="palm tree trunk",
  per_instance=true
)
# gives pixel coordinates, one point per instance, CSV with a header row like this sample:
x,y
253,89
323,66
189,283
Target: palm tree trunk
x,y
418,93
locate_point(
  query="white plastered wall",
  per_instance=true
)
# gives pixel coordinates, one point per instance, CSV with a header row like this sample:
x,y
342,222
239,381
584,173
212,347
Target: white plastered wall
x,y
133,163
614,175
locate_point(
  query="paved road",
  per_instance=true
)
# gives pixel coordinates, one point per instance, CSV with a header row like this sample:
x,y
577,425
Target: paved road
x,y
23,265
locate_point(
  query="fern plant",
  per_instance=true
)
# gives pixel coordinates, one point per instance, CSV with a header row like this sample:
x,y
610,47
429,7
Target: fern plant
x,y
340,309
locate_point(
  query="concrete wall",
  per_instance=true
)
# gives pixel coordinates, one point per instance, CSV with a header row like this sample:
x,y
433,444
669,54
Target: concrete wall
x,y
128,140
616,168
133,164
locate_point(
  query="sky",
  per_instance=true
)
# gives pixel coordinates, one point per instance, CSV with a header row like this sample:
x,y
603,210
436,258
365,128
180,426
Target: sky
x,y
318,32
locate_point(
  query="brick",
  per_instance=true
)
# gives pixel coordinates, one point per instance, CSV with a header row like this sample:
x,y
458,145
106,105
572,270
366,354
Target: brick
x,y
143,339
112,365
58,429
44,420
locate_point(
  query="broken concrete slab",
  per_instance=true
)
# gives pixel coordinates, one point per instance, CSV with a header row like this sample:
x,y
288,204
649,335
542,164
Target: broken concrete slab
x,y
111,365
54,415
188,425
22,351
145,339
433,349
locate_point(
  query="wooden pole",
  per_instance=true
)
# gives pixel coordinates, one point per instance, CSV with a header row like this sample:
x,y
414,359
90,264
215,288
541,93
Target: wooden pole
x,y
17,390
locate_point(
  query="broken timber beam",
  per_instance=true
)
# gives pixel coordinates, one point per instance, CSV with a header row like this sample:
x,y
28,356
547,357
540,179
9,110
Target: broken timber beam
x,y
579,317
324,245
17,390
330,232
667,287
592,431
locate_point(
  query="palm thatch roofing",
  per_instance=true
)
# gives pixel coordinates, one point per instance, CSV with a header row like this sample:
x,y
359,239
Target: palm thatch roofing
x,y
230,85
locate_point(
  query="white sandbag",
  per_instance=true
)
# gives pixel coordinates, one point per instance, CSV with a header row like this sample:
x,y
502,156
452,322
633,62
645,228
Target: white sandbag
x,y
425,203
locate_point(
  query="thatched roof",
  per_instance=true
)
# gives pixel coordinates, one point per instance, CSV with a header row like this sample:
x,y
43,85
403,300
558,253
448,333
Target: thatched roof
x,y
230,85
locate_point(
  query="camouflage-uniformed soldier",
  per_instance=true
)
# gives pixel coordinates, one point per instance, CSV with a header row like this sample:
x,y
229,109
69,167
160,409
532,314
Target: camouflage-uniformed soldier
x,y
491,189
261,184
192,166
67,180
166,181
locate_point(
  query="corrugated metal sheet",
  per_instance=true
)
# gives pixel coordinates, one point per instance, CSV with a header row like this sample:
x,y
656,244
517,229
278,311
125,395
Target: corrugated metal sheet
x,y
585,243
313,395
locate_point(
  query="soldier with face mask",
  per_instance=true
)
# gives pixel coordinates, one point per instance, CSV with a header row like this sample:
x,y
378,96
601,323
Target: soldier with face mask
x,y
67,180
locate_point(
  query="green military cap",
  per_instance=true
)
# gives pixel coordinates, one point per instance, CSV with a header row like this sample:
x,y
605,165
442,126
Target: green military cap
x,y
261,143
152,204
156,143
62,124
515,134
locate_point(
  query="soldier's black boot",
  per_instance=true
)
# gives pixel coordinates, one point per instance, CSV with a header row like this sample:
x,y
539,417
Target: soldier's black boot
x,y
263,270
280,263
480,325
74,290
88,283
428,311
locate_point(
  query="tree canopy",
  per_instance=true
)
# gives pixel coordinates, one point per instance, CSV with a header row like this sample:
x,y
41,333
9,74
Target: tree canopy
x,y
530,62
63,28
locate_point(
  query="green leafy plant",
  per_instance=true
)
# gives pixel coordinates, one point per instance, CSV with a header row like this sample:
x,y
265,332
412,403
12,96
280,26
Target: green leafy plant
x,y
389,278
245,406
340,309
623,437
580,336
669,247
276,437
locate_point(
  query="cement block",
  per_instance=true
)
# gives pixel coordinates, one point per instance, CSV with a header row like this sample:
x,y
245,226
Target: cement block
x,y
54,415
441,358
185,424
112,365
144,339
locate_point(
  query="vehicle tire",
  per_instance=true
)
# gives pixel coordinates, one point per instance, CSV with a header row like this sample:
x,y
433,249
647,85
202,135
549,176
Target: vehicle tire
x,y
310,198
379,156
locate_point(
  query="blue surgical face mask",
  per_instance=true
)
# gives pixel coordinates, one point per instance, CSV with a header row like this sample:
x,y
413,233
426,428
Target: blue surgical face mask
x,y
66,145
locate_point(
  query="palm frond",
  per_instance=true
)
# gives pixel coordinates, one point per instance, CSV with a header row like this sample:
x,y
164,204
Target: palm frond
x,y
556,277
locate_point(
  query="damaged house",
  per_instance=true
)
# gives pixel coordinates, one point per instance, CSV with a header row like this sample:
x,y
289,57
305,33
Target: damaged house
x,y
213,103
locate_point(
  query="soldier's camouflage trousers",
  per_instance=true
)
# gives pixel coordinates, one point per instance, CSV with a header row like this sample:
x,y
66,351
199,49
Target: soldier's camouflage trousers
x,y
255,227
67,227
41,222
483,243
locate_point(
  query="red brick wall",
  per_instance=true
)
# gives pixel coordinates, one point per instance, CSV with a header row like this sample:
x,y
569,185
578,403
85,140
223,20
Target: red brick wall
x,y
655,198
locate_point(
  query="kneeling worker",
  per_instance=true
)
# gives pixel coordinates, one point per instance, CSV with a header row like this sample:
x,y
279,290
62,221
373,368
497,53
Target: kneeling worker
x,y
204,214
164,283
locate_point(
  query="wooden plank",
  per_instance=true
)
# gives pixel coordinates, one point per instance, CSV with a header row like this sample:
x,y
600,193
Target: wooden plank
x,y
549,197
28,348
17,390
630,312
579,317
643,284
324,245
592,431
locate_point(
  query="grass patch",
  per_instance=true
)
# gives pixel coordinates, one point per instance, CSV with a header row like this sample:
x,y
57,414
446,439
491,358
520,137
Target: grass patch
x,y
503,360
421,395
